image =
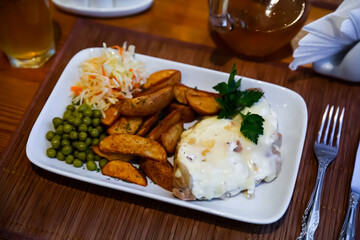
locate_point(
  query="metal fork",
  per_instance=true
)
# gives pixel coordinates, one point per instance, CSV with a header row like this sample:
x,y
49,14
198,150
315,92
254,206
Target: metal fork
x,y
325,152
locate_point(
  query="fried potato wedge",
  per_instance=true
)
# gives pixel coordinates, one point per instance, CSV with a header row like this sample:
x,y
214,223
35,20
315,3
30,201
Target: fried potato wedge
x,y
203,105
134,145
171,119
188,115
181,90
124,171
147,104
128,125
171,81
148,123
171,136
160,173
162,76
112,156
111,115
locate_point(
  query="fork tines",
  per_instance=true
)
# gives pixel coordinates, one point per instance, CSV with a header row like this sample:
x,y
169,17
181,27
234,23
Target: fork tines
x,y
327,117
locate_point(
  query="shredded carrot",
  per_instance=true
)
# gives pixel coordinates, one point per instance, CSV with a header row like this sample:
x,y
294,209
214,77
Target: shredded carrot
x,y
92,76
130,70
76,89
118,48
103,70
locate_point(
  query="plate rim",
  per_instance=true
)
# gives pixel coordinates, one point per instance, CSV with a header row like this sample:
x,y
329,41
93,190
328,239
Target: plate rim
x,y
105,12
175,201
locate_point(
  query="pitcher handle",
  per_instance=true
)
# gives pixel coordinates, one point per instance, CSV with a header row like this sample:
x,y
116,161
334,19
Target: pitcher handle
x,y
218,13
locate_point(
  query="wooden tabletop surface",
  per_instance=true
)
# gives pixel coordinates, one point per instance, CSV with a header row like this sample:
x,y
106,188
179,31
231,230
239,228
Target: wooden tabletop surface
x,y
186,21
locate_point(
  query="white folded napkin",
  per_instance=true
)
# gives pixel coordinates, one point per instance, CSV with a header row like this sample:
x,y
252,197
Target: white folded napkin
x,y
329,40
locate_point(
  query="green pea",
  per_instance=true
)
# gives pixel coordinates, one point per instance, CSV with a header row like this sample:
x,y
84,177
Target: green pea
x,y
59,130
57,122
55,143
102,136
78,115
70,107
88,141
91,165
95,141
90,157
89,129
87,121
57,137
83,107
81,156
73,135
96,113
100,128
83,127
67,128
74,144
81,146
69,159
88,112
60,156
102,162
51,152
77,121
77,163
67,114
96,122
82,136
49,135
95,133
66,150
97,157
71,120
65,136
65,142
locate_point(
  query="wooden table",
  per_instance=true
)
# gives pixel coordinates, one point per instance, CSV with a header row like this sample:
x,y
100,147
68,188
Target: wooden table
x,y
26,211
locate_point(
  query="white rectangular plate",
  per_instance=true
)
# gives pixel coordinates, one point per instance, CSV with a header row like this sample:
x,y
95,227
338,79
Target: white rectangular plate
x,y
271,199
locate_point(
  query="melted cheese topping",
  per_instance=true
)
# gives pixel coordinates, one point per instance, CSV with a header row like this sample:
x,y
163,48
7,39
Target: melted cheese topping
x,y
217,161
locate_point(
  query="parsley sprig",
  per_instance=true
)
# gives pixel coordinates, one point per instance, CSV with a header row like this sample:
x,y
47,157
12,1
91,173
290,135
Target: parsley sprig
x,y
232,101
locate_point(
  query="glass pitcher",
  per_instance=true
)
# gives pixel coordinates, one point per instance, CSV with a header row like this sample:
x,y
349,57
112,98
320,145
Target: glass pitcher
x,y
257,27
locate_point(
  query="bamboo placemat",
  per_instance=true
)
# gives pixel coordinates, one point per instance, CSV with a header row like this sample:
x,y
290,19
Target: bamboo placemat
x,y
38,204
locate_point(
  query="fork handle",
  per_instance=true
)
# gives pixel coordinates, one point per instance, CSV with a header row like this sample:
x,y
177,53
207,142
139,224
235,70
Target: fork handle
x,y
348,228
311,217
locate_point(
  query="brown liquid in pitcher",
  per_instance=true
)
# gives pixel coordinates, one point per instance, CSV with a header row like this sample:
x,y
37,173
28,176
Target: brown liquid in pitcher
x,y
261,27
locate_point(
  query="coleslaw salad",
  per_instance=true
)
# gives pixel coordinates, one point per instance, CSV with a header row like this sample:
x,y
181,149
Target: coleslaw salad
x,y
105,79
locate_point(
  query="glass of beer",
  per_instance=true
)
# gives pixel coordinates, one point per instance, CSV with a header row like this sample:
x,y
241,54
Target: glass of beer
x,y
26,32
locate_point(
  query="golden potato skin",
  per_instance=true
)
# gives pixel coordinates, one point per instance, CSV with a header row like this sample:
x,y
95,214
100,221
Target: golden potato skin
x,y
111,156
128,125
135,145
147,104
124,171
160,173
162,78
171,119
111,115
171,136
148,124
203,105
